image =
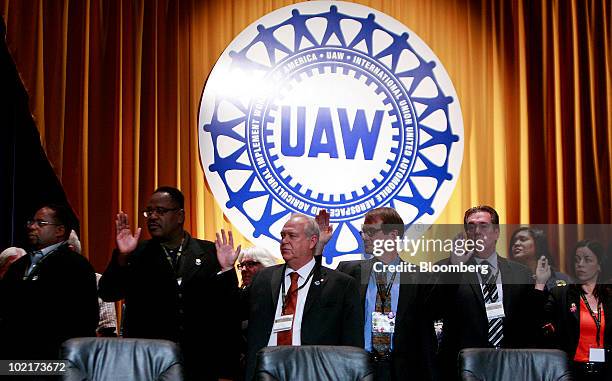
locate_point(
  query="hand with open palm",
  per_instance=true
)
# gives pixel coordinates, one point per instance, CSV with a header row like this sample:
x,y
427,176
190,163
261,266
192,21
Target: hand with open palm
x,y
126,241
226,255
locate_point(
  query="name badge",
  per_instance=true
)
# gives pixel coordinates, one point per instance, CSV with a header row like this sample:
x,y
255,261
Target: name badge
x,y
283,323
597,355
495,310
383,323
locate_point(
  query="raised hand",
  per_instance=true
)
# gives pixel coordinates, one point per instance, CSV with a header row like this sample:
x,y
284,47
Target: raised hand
x,y
543,273
126,241
226,255
325,230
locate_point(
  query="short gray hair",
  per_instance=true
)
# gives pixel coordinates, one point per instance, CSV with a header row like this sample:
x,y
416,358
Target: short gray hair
x,y
311,227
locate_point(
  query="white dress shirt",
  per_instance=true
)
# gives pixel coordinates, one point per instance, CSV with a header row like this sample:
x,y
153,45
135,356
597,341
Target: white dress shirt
x,y
494,268
301,301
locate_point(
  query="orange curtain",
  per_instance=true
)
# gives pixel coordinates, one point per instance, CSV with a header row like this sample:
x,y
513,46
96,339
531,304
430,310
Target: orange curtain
x,y
115,86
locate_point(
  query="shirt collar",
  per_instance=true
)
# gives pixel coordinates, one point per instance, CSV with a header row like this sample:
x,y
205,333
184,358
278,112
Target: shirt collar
x,y
303,271
492,261
49,249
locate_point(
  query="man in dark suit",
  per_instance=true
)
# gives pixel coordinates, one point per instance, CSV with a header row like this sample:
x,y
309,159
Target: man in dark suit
x,y
50,292
301,302
506,289
177,287
409,350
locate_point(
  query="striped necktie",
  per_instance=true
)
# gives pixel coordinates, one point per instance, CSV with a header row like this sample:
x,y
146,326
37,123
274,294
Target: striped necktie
x,y
489,291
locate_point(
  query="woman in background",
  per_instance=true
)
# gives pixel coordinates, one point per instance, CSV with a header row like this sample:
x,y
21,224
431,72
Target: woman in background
x,y
579,316
527,245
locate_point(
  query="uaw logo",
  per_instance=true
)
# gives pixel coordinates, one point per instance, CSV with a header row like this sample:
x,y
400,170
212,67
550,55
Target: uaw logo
x,y
328,105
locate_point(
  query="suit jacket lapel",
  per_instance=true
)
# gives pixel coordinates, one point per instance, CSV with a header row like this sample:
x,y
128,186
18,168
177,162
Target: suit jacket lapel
x,y
193,258
365,268
317,283
275,284
20,267
407,293
573,300
507,280
572,306
472,280
607,310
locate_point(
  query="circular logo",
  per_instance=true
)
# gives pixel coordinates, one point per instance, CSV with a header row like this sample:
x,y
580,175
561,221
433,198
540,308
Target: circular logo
x,y
328,105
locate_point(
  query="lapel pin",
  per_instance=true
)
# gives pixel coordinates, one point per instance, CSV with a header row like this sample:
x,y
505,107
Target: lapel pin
x,y
35,277
318,282
573,308
198,261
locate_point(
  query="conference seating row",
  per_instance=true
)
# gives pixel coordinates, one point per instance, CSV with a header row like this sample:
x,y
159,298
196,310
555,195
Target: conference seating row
x,y
116,359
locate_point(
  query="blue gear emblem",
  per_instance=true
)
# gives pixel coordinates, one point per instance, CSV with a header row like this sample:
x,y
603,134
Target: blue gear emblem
x,y
332,106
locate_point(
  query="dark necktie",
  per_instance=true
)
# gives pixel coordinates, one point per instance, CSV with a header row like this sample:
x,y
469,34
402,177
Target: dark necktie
x,y
36,256
286,337
489,291
172,253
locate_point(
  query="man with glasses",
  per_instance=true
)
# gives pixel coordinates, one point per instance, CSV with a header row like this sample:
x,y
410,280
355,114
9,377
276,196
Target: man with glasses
x,y
50,292
397,332
177,287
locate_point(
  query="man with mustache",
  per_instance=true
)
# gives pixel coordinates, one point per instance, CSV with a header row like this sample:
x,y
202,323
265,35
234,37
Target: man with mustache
x,y
177,287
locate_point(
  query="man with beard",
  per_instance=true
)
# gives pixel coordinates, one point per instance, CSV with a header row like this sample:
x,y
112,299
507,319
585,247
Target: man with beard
x,y
177,287
50,292
393,297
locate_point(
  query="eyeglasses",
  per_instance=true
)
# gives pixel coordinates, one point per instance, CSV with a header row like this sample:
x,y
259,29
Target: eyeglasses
x,y
40,223
369,231
247,265
147,213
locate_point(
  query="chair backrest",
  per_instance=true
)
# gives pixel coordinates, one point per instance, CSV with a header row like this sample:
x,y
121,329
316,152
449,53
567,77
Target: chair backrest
x,y
313,362
116,359
513,364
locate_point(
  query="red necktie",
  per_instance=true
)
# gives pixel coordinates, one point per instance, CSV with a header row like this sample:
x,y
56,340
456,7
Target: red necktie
x,y
285,337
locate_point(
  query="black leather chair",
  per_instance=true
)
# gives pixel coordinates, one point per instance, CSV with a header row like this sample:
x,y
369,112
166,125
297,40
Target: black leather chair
x,y
479,364
115,359
313,363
